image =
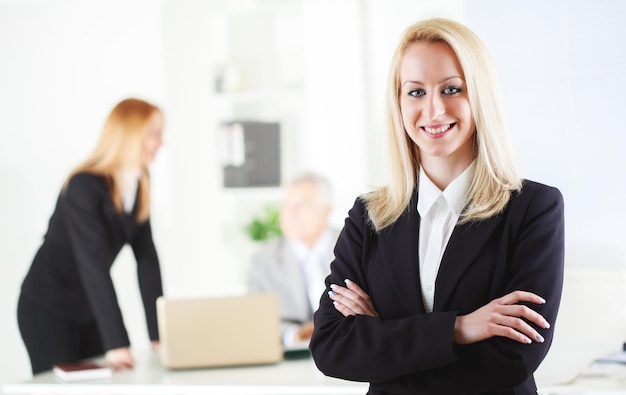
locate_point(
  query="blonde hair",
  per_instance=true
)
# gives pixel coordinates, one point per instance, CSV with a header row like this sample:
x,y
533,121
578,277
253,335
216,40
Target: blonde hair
x,y
121,146
496,175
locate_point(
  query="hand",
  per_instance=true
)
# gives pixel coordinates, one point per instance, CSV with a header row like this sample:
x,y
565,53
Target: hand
x,y
120,358
352,300
502,317
304,332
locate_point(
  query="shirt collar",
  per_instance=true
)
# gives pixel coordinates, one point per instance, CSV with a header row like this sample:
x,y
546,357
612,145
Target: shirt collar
x,y
428,193
455,194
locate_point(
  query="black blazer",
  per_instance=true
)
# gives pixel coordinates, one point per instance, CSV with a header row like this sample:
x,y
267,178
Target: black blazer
x,y
70,274
411,352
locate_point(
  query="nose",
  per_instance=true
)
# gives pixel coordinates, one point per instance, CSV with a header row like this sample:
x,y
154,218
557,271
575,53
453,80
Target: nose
x,y
435,106
158,142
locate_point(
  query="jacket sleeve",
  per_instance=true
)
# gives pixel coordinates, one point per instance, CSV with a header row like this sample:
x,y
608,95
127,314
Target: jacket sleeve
x,y
84,204
148,275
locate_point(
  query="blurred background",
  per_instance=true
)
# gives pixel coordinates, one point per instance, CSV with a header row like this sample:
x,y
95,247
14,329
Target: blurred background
x,y
314,72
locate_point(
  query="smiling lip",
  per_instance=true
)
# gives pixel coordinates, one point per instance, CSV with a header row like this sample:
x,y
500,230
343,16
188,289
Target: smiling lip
x,y
438,131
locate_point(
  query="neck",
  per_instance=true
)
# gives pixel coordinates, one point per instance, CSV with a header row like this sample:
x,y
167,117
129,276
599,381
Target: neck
x,y
442,171
131,171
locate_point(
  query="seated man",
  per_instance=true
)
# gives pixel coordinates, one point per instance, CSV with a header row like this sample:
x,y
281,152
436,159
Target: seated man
x,y
295,265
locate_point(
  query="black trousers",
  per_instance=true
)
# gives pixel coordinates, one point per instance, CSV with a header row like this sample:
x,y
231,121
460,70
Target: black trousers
x,y
51,339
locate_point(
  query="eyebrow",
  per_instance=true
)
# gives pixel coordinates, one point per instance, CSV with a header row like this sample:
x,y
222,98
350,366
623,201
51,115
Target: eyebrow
x,y
442,81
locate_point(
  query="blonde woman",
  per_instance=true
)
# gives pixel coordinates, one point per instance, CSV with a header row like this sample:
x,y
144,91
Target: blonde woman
x,y
68,308
447,280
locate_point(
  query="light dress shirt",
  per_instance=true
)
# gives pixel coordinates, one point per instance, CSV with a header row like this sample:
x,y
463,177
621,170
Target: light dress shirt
x,y
129,183
439,212
315,267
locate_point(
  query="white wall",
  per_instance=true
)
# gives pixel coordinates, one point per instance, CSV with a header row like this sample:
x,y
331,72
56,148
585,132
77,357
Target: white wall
x,y
64,63
561,68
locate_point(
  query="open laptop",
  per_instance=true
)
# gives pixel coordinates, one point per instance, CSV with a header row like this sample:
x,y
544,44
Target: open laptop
x,y
219,331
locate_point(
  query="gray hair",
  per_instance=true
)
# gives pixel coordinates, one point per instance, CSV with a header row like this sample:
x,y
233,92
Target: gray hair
x,y
323,185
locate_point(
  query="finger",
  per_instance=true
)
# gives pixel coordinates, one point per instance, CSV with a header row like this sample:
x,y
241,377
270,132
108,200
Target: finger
x,y
364,298
507,331
121,363
521,296
355,303
357,290
351,285
343,309
350,300
524,331
129,363
340,295
360,298
339,290
525,312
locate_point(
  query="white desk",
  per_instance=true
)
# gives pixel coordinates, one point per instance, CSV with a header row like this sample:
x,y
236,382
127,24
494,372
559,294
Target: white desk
x,y
596,379
289,377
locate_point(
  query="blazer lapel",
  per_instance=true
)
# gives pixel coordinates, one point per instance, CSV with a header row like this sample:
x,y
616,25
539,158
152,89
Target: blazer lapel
x,y
399,249
465,243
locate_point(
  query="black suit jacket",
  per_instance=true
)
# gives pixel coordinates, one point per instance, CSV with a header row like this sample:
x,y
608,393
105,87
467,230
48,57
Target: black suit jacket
x,y
411,352
70,274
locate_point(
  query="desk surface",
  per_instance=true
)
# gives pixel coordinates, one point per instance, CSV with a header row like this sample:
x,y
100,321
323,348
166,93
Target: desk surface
x,y
298,376
289,377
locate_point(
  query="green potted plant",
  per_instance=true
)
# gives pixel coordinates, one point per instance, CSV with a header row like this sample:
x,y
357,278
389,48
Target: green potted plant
x,y
266,226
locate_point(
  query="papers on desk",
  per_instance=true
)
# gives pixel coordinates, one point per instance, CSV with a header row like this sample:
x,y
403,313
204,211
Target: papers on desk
x,y
82,371
608,371
615,357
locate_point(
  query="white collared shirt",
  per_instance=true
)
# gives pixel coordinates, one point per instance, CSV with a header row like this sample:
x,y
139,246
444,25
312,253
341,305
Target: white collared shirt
x,y
318,256
129,183
439,212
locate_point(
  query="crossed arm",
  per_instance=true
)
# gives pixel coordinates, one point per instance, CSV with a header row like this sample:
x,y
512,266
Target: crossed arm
x,y
501,317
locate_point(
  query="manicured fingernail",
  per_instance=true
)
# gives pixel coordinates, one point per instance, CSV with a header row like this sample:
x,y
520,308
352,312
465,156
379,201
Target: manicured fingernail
x,y
540,338
546,324
331,293
542,300
348,282
333,286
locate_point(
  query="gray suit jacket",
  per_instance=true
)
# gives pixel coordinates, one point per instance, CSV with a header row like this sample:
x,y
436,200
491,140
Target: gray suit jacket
x,y
275,269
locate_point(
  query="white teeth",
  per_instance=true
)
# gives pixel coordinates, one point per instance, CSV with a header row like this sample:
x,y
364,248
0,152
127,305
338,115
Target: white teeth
x,y
437,130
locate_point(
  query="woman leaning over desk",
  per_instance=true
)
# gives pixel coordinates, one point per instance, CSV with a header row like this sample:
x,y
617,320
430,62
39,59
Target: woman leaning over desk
x,y
68,308
447,279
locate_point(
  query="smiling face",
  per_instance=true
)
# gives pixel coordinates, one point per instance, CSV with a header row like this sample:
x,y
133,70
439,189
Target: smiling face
x,y
434,104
